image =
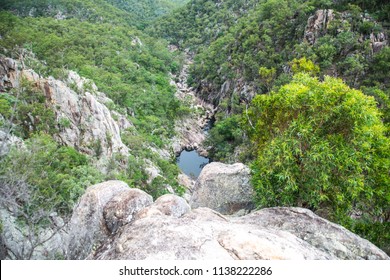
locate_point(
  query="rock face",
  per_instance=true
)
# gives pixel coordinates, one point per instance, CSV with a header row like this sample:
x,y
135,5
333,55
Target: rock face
x,y
318,24
101,211
168,230
223,188
168,205
87,124
328,237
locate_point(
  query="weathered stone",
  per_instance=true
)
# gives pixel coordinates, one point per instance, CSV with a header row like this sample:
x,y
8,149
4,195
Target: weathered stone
x,y
85,122
204,234
166,238
328,237
168,205
188,183
223,188
87,225
91,127
317,25
265,244
122,208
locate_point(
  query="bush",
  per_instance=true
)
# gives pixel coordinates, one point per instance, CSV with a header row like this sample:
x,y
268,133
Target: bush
x,y
57,176
224,137
321,145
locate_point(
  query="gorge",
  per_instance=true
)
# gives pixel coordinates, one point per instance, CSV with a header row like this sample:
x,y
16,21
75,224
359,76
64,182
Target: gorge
x,y
246,129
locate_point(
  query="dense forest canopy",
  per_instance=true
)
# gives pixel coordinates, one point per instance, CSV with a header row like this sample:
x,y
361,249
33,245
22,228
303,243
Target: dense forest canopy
x,y
301,91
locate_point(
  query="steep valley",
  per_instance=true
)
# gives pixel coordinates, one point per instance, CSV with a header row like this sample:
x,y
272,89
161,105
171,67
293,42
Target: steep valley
x,y
289,99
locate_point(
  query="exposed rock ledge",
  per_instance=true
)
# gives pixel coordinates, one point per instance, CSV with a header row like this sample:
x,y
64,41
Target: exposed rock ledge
x,y
90,124
115,222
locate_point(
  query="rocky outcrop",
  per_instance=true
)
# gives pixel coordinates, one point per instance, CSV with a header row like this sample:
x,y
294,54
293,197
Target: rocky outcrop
x,y
328,237
318,24
122,208
91,126
166,205
113,222
8,67
378,41
223,188
101,211
84,120
168,230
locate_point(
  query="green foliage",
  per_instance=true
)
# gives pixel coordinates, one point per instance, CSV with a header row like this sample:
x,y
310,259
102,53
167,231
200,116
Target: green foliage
x,y
267,76
379,69
144,12
271,35
380,8
128,12
303,65
200,22
5,105
321,145
56,175
383,102
224,137
84,10
64,123
263,38
377,232
32,114
124,63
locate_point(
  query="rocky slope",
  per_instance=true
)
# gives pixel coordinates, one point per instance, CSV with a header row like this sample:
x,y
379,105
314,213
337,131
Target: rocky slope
x,y
114,222
90,125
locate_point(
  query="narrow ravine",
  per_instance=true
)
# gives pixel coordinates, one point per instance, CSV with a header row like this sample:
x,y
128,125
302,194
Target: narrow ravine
x,y
191,129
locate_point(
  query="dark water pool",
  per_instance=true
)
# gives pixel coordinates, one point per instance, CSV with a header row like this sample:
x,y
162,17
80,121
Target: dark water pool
x,y
191,163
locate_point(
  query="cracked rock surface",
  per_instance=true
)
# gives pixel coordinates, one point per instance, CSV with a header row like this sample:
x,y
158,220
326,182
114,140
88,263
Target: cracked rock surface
x,y
115,222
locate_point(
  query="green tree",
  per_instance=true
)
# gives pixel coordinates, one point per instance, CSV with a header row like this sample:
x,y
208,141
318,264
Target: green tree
x,y
55,176
304,65
321,145
267,76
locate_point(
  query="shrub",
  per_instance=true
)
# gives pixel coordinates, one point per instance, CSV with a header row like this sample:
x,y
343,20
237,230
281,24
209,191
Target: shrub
x,y
321,145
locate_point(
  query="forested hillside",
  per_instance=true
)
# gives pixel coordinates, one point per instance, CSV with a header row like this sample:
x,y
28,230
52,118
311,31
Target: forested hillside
x,y
201,22
131,70
92,91
135,13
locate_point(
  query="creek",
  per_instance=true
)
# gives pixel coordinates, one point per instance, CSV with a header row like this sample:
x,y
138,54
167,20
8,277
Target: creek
x,y
191,163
